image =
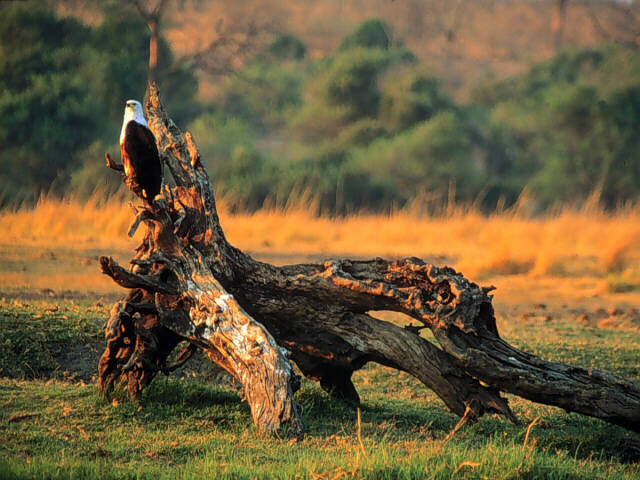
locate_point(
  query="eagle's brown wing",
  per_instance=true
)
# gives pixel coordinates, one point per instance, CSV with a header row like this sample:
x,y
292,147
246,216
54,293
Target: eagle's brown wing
x,y
141,159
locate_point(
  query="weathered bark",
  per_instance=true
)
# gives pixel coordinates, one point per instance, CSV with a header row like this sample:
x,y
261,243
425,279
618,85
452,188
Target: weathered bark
x,y
175,295
188,282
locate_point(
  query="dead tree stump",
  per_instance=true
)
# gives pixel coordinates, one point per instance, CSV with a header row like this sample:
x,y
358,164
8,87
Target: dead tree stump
x,y
188,283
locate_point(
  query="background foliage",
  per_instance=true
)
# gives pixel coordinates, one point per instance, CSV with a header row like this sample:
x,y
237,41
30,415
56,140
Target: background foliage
x,y
368,126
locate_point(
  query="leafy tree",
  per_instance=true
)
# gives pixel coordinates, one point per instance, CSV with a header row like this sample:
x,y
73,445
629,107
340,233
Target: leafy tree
x,y
287,47
362,132
315,169
429,156
263,94
265,91
347,87
236,166
352,81
47,110
62,89
410,97
121,43
573,124
347,91
369,34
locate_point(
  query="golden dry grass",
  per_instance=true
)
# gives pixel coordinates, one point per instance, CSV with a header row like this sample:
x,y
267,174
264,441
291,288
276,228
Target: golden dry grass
x,y
54,222
570,242
576,243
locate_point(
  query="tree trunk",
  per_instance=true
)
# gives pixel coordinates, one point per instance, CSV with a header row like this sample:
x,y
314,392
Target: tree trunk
x,y
153,50
188,282
558,21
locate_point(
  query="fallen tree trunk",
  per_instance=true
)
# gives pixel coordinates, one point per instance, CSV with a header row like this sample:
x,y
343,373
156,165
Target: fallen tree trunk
x,y
188,282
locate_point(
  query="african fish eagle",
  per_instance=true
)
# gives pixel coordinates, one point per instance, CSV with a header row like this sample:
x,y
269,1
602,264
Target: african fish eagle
x,y
142,166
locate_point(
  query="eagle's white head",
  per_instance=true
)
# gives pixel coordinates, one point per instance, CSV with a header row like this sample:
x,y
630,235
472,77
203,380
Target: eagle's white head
x,y
132,111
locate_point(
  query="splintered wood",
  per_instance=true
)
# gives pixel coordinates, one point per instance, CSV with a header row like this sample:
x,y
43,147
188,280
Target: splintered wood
x,y
251,318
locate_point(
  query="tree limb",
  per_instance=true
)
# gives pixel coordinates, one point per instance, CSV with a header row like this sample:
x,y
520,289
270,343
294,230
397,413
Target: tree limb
x,y
245,313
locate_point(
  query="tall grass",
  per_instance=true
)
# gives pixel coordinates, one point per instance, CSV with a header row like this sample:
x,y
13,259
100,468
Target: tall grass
x,y
52,221
568,242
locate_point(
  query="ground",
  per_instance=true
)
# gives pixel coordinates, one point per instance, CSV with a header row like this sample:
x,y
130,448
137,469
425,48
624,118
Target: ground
x,y
580,307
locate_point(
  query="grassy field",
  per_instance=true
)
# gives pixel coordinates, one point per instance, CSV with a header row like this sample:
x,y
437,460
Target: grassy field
x,y
568,290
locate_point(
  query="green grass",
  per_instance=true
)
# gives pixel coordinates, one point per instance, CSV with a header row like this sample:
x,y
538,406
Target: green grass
x,y
35,334
185,428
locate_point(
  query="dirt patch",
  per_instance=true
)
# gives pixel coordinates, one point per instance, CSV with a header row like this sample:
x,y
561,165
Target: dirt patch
x,y
614,318
81,363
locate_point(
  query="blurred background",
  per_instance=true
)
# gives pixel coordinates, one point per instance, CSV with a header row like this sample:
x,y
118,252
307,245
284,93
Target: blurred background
x,y
359,105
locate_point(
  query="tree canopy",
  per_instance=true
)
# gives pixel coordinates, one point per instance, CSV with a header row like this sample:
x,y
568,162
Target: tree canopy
x,y
367,127
63,88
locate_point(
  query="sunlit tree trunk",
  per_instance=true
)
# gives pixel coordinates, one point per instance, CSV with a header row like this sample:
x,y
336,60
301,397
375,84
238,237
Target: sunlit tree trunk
x,y
558,21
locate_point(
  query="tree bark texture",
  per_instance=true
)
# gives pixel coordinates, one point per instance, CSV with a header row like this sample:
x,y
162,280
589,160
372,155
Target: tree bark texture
x,y
252,318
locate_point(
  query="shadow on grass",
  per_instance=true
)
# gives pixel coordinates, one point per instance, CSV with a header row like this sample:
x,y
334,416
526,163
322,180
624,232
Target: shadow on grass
x,y
173,401
323,415
188,394
177,402
575,435
584,438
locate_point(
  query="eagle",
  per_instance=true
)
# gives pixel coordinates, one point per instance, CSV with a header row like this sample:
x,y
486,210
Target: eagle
x,y
142,167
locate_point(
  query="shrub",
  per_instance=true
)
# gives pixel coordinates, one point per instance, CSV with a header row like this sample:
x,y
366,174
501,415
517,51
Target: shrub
x,y
369,34
287,47
410,97
430,156
573,123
